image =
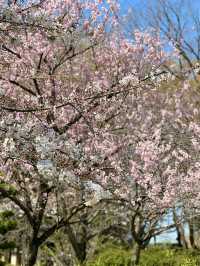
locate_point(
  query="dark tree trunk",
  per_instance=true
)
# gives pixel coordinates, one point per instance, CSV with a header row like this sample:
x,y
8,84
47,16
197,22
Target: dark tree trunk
x,y
18,255
191,234
136,254
81,254
79,247
32,253
8,255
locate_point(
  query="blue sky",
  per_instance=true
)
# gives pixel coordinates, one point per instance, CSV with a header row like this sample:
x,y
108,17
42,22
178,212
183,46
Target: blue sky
x,y
141,3
125,4
188,9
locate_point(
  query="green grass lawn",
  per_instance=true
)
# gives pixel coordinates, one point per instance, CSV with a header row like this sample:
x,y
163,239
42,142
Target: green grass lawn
x,y
161,255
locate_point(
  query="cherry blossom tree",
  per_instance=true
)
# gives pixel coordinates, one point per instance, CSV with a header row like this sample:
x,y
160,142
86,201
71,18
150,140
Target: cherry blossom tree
x,y
63,83
158,164
176,21
46,90
82,106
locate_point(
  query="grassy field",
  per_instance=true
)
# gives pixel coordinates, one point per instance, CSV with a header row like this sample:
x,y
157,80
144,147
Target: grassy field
x,y
164,255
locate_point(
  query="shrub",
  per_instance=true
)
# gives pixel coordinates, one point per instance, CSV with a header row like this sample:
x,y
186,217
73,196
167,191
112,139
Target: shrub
x,y
112,256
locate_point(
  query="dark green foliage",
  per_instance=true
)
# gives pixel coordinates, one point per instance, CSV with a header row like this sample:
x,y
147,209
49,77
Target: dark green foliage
x,y
7,224
6,214
10,189
7,245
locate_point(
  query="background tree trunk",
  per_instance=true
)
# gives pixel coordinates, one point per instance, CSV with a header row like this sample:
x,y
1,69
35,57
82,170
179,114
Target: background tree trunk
x,y
180,231
191,233
136,254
